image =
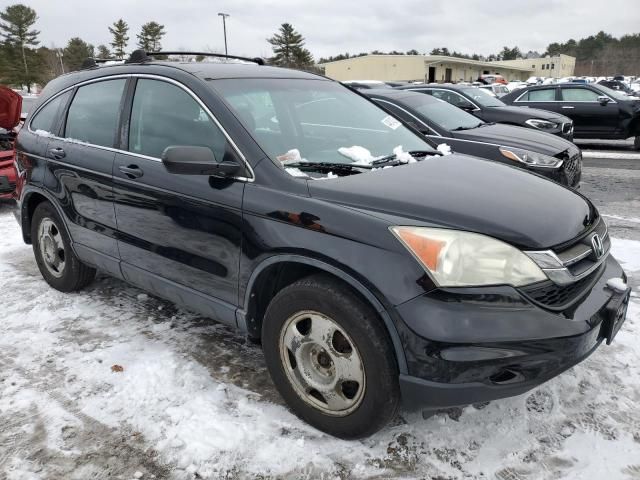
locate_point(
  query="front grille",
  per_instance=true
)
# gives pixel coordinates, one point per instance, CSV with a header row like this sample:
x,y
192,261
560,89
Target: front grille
x,y
572,167
557,297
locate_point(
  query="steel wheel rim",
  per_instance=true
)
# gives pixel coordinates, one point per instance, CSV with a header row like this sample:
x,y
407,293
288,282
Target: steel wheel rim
x,y
322,364
51,247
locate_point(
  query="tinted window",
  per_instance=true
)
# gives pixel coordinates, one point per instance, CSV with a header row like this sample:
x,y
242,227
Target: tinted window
x,y
544,95
579,95
441,113
165,115
93,114
482,97
451,97
46,118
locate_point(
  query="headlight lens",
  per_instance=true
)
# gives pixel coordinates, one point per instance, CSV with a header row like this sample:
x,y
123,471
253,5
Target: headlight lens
x,y
541,124
463,259
527,157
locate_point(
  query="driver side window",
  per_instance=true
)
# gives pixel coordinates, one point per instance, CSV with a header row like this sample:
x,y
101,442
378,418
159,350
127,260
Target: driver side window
x,y
165,115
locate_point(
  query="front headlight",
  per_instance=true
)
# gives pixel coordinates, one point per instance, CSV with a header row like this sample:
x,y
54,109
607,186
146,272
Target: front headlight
x,y
530,158
455,258
541,124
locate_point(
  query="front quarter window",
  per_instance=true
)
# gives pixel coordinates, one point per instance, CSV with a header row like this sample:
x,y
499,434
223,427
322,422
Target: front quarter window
x,y
318,118
483,97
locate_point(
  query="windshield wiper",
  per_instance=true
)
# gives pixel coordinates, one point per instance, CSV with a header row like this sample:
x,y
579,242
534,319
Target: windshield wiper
x,y
393,161
326,167
457,129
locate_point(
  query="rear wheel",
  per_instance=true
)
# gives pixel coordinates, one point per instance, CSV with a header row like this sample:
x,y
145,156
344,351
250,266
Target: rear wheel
x,y
52,248
330,358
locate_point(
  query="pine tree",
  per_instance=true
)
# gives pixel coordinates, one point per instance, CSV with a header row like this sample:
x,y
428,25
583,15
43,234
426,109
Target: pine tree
x,y
150,37
288,48
119,31
15,25
103,51
76,52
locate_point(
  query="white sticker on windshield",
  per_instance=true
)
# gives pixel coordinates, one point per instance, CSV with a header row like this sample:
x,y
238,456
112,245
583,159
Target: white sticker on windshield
x,y
391,122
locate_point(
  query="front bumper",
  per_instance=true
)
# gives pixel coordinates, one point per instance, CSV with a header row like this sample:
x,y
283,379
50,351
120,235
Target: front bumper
x,y
472,345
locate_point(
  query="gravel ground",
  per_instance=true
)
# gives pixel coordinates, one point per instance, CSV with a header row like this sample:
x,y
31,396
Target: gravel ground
x,y
112,383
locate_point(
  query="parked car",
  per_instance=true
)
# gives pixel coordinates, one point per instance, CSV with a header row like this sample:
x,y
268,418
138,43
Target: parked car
x,y
515,85
491,109
617,85
539,152
371,268
596,111
489,79
10,112
497,89
366,84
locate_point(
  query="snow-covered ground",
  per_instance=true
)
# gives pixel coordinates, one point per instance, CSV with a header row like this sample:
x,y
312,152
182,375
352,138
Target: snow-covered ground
x,y
113,383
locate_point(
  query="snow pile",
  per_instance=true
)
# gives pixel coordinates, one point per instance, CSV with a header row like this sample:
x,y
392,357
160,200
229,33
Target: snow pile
x,y
444,149
359,155
44,133
199,395
402,156
296,172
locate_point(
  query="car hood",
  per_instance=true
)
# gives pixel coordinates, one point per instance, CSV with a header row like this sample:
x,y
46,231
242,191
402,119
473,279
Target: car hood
x,y
466,193
519,137
10,108
526,113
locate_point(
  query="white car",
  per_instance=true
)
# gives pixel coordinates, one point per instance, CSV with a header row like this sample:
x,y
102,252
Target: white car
x,y
516,85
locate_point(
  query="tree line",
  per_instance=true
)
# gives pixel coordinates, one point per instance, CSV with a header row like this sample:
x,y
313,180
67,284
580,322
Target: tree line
x,y
23,61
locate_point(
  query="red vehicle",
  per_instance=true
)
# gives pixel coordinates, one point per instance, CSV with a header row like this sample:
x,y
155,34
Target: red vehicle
x,y
10,112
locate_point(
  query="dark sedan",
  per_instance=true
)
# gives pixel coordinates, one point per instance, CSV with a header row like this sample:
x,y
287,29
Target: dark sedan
x,y
548,155
596,111
491,109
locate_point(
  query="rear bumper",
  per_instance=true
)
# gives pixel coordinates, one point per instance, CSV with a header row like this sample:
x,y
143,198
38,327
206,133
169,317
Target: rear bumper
x,y
465,346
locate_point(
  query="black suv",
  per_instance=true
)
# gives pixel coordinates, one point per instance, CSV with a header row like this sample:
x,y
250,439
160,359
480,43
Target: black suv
x,y
489,108
596,111
371,268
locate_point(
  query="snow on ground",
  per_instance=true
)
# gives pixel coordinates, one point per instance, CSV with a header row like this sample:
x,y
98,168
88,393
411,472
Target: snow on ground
x,y
111,381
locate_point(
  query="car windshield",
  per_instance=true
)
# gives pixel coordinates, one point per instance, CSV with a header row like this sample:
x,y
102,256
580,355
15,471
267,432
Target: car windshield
x,y
314,120
615,94
483,97
441,113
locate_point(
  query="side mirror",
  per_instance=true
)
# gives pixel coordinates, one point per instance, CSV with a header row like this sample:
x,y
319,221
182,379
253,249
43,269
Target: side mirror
x,y
190,160
603,100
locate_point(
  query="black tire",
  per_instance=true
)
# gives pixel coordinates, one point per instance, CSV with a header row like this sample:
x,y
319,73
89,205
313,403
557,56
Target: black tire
x,y
379,402
74,275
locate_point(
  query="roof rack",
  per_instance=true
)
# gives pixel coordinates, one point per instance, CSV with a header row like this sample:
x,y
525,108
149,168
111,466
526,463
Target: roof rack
x,y
91,62
256,60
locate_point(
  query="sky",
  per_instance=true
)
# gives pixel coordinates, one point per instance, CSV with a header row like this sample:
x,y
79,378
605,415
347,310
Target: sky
x,y
331,27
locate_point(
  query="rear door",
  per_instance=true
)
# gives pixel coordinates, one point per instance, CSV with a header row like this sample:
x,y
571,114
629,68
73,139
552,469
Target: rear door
x,y
590,117
79,169
179,235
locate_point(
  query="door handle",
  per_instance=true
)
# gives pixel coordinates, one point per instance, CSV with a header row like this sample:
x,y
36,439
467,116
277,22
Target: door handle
x,y
568,107
132,171
57,153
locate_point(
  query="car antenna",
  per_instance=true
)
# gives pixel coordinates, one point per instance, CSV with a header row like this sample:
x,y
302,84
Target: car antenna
x,y
256,60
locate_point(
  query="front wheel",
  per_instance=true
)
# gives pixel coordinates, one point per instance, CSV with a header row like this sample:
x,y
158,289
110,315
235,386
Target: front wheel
x,y
52,248
330,358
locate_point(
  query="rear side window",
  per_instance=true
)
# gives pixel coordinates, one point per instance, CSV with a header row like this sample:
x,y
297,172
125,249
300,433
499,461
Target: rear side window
x,y
579,95
543,95
93,114
47,118
165,115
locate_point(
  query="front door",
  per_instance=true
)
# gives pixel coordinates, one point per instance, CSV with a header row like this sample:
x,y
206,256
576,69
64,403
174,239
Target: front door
x,y
590,118
432,75
179,235
447,75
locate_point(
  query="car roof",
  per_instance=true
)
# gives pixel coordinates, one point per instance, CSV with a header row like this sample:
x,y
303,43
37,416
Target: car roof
x,y
450,86
397,94
206,70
